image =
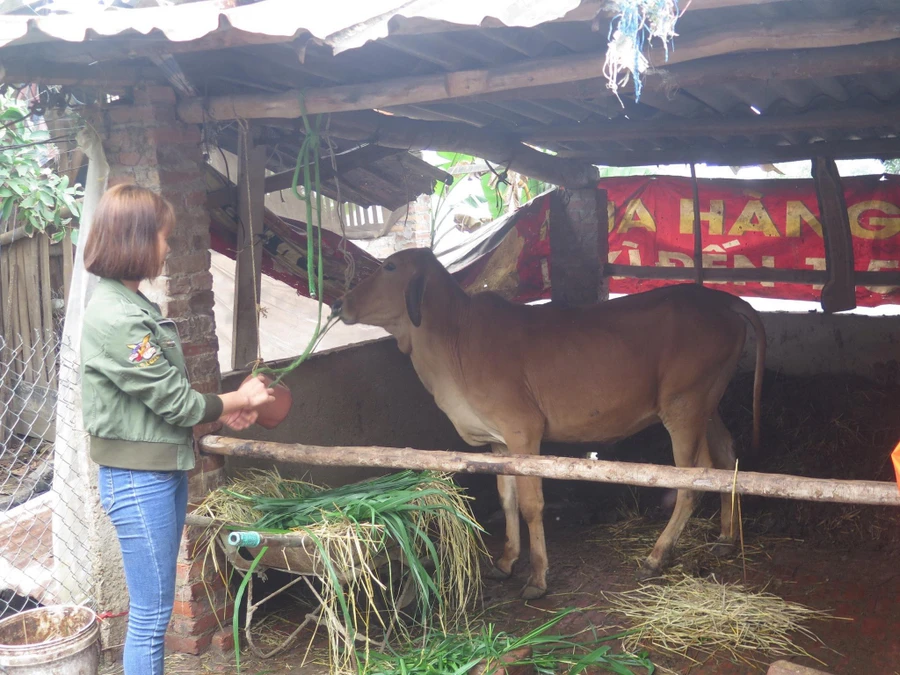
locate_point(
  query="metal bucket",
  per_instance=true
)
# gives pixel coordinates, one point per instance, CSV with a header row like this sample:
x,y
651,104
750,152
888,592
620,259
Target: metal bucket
x,y
55,640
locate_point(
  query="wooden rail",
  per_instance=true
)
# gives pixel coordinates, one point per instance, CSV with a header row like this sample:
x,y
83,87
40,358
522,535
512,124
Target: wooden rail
x,y
564,468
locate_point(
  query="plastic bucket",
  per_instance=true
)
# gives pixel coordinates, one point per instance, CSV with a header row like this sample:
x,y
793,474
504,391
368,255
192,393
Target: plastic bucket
x,y
54,640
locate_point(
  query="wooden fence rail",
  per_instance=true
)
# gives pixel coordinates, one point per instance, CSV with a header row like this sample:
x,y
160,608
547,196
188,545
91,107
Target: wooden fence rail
x,y
565,468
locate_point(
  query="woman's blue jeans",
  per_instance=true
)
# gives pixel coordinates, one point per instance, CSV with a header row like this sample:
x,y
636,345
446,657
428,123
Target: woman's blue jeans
x,y
148,510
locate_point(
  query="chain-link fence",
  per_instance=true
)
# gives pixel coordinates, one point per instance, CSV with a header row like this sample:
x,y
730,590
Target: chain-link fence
x,y
30,573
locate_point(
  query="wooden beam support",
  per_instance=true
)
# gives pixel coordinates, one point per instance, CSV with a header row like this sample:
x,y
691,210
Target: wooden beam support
x,y
839,293
530,73
281,181
497,148
771,66
698,230
564,468
574,253
248,260
856,119
718,155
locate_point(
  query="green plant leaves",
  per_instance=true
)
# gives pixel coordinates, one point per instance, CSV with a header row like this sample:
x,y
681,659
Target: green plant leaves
x,y
30,196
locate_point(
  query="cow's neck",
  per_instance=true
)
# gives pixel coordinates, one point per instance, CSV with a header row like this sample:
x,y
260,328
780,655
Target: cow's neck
x,y
434,346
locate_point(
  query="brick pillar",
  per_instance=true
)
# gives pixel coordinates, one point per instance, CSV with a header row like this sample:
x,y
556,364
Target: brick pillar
x,y
146,144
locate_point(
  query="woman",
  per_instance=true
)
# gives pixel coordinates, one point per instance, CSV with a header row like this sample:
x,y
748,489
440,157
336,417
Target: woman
x,y
139,407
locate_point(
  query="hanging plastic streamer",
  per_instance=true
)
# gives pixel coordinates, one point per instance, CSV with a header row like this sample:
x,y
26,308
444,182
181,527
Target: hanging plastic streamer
x,y
636,22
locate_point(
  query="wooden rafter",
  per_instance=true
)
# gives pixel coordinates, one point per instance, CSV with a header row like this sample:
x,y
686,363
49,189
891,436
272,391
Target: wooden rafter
x,y
715,154
497,148
411,90
281,181
624,130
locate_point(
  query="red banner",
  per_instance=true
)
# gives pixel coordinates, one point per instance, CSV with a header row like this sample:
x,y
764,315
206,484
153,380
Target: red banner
x,y
770,223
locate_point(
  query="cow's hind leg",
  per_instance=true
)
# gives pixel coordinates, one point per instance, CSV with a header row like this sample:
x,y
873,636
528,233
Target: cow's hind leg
x,y
506,486
721,450
689,445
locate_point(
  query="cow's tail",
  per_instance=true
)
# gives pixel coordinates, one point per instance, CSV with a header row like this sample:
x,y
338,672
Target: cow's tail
x,y
745,310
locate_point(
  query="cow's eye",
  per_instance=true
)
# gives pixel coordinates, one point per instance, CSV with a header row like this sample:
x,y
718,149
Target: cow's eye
x,y
389,267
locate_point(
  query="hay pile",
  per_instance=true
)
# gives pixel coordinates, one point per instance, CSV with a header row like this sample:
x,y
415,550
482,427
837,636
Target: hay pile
x,y
421,520
709,617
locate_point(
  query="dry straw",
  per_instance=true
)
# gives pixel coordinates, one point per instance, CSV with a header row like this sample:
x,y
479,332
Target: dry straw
x,y
709,617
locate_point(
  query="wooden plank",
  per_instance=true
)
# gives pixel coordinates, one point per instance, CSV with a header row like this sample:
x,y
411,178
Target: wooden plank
x,y
839,293
564,468
68,258
852,118
30,267
22,336
45,291
800,34
248,269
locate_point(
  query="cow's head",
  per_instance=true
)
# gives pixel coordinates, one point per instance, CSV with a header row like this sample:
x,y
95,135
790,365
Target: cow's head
x,y
391,298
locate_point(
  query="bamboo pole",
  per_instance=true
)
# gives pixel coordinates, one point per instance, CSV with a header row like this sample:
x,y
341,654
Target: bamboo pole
x,y
564,468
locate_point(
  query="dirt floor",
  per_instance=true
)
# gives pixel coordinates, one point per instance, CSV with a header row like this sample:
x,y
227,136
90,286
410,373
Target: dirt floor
x,y
839,559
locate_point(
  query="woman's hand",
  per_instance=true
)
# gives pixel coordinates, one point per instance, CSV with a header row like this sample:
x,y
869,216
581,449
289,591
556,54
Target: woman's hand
x,y
240,419
256,392
239,407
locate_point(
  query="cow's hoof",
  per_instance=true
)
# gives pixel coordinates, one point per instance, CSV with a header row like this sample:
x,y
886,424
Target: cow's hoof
x,y
495,573
722,547
531,592
648,571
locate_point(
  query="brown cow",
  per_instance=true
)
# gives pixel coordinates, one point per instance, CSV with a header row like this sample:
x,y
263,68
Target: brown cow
x,y
513,375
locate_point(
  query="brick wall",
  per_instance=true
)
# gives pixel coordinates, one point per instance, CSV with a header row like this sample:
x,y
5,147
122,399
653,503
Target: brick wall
x,y
146,144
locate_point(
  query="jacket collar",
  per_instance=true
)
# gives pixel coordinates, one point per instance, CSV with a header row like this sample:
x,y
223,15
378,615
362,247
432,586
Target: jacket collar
x,y
116,287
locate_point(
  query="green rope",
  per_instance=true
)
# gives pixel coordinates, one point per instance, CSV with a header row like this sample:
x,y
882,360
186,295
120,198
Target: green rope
x,y
308,162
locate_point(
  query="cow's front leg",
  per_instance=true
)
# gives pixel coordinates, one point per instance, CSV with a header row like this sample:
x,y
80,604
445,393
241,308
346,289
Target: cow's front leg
x,y
503,568
531,504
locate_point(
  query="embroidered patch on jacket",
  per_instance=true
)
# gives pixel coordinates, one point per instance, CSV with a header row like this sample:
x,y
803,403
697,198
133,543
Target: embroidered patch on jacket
x,y
143,353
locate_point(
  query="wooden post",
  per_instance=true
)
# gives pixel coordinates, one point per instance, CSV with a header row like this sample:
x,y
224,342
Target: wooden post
x,y
564,468
248,267
602,205
839,292
574,260
698,235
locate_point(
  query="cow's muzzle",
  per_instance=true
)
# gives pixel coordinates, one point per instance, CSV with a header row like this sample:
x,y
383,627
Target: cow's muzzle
x,y
337,311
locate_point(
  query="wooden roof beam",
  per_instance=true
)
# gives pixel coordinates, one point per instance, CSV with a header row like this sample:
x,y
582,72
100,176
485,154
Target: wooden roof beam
x,y
771,66
522,74
497,148
718,155
620,130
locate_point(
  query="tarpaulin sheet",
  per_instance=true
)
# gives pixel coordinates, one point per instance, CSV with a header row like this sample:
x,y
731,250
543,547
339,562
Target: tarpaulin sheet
x,y
770,223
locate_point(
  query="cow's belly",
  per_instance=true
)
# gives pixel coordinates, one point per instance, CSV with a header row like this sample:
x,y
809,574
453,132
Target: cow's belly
x,y
471,427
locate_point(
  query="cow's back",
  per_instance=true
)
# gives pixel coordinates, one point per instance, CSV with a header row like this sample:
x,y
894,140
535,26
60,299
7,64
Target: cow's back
x,y
588,374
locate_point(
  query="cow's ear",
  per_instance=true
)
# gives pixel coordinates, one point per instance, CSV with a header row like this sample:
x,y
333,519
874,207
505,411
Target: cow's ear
x,y
415,291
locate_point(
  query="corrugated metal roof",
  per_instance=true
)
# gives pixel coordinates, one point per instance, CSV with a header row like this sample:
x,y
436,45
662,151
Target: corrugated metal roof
x,y
342,24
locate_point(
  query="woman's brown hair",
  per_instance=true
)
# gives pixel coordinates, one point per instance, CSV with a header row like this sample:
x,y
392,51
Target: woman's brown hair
x,y
124,238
